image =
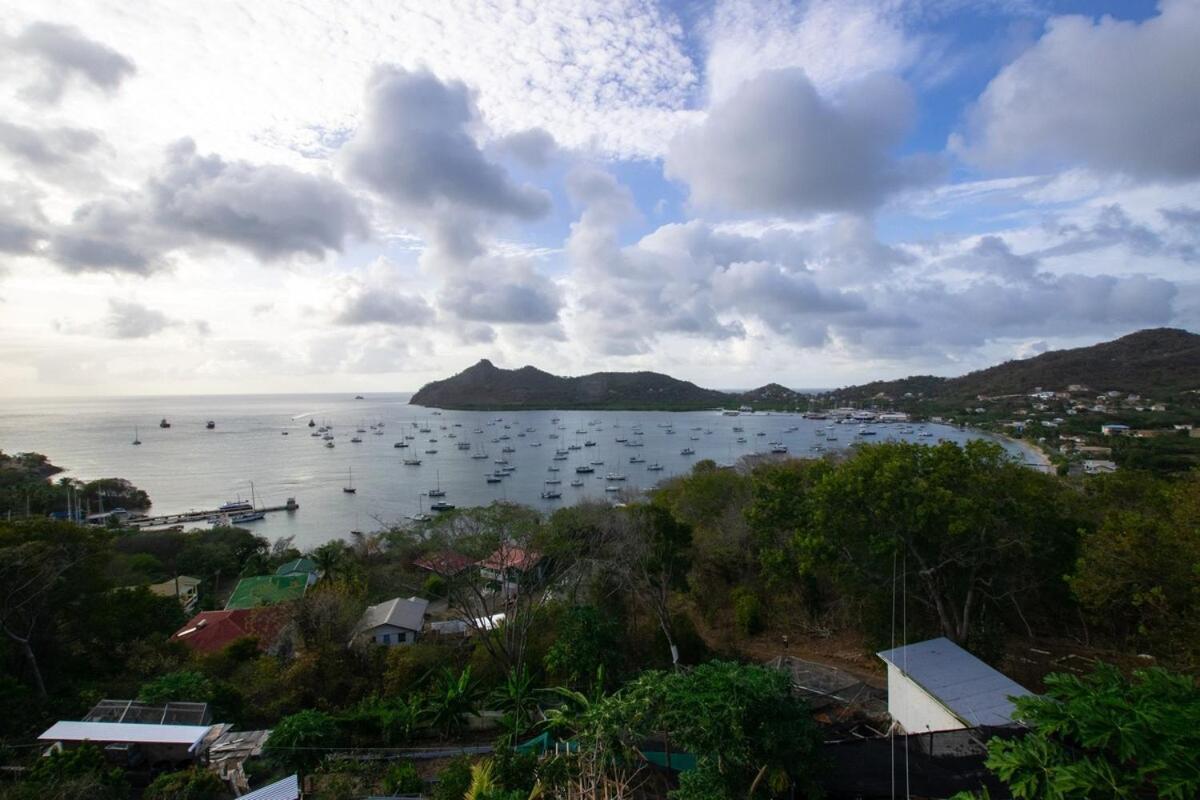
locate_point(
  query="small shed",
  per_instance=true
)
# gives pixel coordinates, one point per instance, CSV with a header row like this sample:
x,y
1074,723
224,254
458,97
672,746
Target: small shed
x,y
131,743
937,686
396,621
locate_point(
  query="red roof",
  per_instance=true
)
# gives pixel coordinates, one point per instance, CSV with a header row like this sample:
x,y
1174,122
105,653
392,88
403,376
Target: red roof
x,y
444,562
512,558
210,631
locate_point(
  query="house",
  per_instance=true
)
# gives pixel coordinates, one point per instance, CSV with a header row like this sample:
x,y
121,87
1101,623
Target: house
x,y
1098,466
184,587
511,563
1114,429
132,734
396,621
298,566
937,686
446,563
213,631
265,590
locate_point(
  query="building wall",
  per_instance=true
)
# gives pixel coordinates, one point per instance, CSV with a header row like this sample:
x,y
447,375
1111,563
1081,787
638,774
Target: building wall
x,y
392,634
914,709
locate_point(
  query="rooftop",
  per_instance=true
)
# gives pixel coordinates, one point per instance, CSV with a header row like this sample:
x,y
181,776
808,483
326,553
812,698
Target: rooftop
x,y
210,631
297,566
969,688
510,557
444,562
286,789
399,612
265,590
124,732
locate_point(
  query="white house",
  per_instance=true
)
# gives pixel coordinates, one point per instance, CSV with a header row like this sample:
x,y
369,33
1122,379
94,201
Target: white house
x,y
938,686
393,622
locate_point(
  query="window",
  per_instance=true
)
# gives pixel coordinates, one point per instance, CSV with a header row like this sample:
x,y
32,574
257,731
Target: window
x,y
401,637
385,638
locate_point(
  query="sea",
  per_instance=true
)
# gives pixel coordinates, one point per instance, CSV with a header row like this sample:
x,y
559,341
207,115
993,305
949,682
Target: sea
x,y
262,448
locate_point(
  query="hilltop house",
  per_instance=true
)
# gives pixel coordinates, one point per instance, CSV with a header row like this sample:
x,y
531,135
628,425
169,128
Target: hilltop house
x,y
184,587
937,686
511,564
393,622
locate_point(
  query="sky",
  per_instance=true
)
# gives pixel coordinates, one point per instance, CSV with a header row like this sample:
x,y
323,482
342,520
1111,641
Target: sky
x,y
365,195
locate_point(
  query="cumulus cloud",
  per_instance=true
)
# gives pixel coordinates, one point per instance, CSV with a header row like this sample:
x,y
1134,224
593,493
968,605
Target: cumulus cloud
x,y
533,147
47,151
63,55
365,305
22,224
1114,95
273,212
415,147
778,146
502,290
129,320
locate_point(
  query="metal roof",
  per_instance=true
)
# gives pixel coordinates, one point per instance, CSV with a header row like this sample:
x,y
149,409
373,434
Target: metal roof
x,y
409,614
126,732
969,688
286,789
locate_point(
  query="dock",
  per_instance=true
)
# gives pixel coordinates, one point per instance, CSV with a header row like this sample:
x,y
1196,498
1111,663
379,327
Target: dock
x,y
199,516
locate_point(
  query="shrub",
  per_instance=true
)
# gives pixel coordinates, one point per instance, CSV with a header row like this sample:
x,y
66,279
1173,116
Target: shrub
x,y
191,784
747,611
434,587
402,778
453,781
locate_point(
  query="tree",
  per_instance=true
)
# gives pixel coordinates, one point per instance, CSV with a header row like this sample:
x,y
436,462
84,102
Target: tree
x,y
1105,736
80,773
651,556
1138,573
39,562
585,641
301,740
748,732
967,526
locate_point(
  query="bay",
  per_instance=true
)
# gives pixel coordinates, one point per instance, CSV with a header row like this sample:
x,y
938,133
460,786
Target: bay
x,y
188,467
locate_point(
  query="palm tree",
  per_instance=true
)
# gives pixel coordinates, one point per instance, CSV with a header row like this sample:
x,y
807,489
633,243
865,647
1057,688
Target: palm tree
x,y
330,558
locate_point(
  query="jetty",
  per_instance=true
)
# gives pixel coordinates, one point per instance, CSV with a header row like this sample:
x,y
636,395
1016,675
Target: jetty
x,y
200,516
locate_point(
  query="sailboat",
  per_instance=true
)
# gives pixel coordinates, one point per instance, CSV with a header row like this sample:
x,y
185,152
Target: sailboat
x,y
438,491
349,488
420,516
136,440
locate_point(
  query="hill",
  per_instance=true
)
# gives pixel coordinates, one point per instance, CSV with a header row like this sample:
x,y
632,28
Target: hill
x,y
486,386
1157,362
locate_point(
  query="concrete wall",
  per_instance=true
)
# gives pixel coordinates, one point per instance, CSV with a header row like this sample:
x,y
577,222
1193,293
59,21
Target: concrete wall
x,y
914,709
394,634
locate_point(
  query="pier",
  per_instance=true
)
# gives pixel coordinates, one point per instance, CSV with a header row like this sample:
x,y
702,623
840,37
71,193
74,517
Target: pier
x,y
201,516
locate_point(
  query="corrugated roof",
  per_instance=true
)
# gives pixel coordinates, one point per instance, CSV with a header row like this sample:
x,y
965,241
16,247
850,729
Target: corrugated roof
x,y
132,733
286,789
210,631
402,613
973,691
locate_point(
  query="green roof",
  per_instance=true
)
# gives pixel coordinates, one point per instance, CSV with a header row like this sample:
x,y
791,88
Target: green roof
x,y
266,590
299,565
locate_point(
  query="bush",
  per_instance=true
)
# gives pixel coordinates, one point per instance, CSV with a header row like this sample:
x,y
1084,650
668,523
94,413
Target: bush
x,y
183,686
453,781
747,611
410,666
434,587
191,784
299,741
402,778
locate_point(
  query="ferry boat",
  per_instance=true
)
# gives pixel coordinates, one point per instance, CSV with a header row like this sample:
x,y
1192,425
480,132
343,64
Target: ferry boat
x,y
236,505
